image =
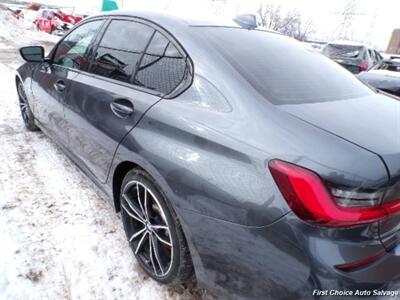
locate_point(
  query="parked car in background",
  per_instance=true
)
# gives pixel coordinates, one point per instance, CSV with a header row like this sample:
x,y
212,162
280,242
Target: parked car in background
x,y
353,56
259,178
384,76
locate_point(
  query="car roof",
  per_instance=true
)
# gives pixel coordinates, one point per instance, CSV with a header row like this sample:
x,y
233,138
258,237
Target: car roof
x,y
163,19
173,23
348,43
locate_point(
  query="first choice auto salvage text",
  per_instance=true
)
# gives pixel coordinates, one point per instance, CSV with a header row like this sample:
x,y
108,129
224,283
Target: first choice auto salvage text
x,y
347,293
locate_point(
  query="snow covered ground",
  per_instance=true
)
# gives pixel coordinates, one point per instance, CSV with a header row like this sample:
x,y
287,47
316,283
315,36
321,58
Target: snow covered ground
x,y
59,238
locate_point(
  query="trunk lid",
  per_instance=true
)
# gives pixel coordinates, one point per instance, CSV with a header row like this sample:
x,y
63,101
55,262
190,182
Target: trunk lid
x,y
371,122
353,65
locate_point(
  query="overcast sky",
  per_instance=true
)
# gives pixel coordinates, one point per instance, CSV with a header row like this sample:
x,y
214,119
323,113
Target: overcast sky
x,y
374,22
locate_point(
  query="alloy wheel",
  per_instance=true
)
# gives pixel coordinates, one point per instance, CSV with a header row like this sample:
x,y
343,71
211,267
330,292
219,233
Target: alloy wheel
x,y
23,104
147,228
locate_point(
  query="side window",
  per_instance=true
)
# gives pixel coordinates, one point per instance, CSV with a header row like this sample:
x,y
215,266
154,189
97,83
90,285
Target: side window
x,y
365,55
120,49
162,68
72,52
372,55
378,56
369,54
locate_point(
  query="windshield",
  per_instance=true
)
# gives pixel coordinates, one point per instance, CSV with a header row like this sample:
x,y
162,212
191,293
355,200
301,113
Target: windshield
x,y
343,51
280,68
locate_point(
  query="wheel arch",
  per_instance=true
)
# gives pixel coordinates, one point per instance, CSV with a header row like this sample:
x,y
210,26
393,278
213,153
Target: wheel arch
x,y
126,163
18,78
118,176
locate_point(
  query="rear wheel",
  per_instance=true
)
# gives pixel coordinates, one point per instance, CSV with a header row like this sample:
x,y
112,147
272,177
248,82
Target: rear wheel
x,y
26,113
153,230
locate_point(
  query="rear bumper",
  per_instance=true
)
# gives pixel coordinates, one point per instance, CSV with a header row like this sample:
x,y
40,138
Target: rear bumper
x,y
328,248
286,259
242,262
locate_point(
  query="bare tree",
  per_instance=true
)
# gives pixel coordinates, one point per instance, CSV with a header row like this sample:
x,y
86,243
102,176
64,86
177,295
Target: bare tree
x,y
270,16
291,23
305,29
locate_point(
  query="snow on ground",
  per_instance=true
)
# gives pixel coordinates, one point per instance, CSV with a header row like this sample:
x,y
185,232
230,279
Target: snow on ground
x,y
21,32
59,238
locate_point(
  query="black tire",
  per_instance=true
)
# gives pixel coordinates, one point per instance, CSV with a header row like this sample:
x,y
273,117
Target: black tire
x,y
180,268
26,112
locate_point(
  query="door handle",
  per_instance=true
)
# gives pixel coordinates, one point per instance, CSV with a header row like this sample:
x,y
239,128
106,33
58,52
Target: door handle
x,y
59,86
122,108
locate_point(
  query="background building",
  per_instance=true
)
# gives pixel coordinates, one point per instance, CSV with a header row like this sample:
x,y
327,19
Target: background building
x,y
394,44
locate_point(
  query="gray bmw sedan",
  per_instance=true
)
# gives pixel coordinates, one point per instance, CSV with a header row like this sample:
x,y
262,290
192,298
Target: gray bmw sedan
x,y
237,157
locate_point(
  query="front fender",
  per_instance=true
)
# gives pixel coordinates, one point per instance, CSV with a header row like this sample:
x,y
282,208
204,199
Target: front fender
x,y
25,75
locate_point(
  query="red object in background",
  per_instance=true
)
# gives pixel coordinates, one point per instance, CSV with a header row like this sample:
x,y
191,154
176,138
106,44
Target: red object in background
x,y
46,25
49,20
46,21
71,19
363,67
33,6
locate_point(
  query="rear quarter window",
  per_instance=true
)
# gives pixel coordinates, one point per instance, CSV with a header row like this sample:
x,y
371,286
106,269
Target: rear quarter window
x,y
162,67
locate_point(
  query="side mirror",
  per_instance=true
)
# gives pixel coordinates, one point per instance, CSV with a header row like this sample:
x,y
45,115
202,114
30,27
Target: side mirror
x,y
32,53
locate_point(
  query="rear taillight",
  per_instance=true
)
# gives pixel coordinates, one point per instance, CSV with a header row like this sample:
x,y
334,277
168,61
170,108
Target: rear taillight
x,y
363,67
311,201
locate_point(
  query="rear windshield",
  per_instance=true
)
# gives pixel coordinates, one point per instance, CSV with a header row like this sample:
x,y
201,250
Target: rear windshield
x,y
282,69
343,51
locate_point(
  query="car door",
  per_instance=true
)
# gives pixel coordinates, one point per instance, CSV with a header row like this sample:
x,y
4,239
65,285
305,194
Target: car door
x,y
52,79
109,100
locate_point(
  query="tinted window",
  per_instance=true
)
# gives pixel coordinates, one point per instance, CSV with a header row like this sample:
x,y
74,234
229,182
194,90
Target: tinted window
x,y
280,68
372,55
73,50
158,45
162,67
378,55
120,49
